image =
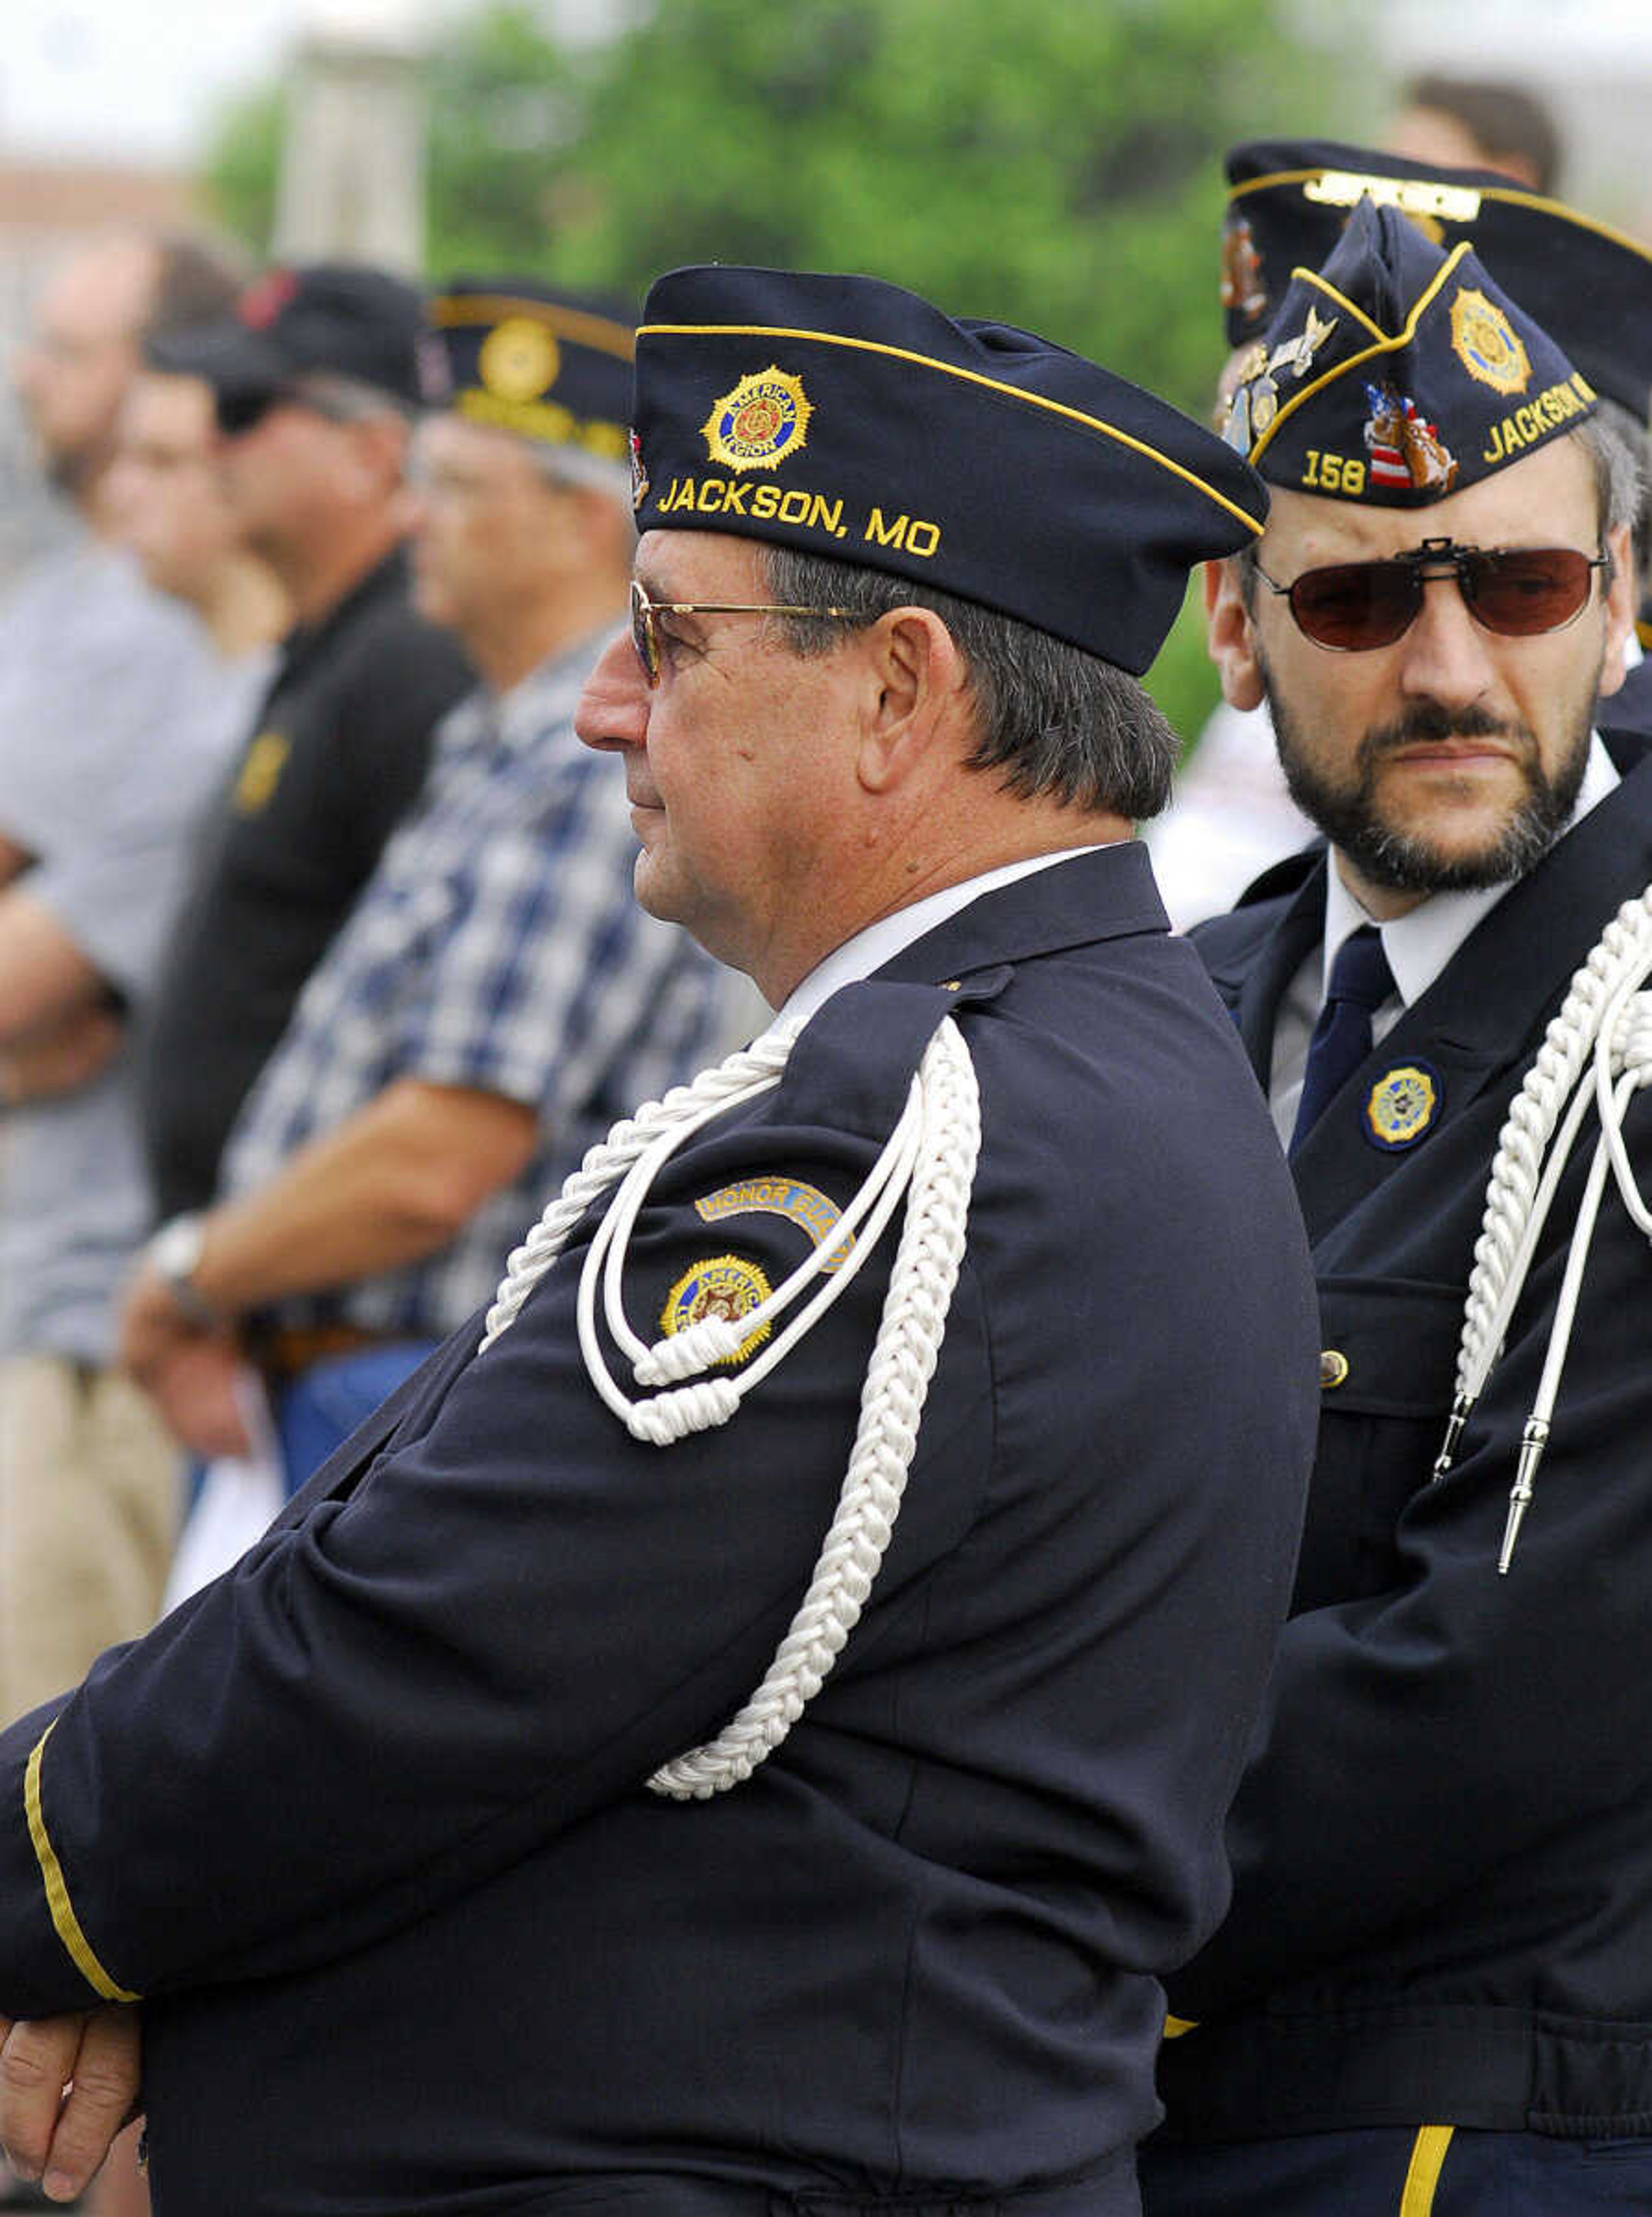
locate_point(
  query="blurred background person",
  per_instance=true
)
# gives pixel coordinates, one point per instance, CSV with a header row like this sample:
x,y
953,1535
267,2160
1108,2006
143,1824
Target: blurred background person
x,y
497,996
315,382
1476,123
116,716
167,503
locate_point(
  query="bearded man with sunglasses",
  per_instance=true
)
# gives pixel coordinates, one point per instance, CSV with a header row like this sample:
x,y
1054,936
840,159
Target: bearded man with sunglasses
x,y
1433,1990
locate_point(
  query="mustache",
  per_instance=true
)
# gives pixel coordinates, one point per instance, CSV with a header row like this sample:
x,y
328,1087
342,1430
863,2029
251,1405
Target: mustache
x,y
1431,722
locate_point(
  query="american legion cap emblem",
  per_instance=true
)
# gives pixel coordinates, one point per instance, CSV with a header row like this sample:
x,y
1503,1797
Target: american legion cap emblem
x,y
762,421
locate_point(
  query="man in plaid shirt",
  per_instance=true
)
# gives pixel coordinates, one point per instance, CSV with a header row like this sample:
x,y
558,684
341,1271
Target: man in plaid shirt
x,y
497,999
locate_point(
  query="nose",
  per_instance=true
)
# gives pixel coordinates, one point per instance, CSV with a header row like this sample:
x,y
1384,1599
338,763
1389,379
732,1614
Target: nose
x,y
613,710
1446,656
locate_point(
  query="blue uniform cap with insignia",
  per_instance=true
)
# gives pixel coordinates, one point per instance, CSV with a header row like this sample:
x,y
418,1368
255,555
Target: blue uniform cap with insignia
x,y
1589,287
549,365
1398,374
844,416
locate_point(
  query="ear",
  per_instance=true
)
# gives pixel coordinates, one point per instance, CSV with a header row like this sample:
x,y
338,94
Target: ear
x,y
1230,636
915,690
1621,602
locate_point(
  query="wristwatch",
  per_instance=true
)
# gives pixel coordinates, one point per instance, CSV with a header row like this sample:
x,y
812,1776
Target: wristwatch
x,y
174,1254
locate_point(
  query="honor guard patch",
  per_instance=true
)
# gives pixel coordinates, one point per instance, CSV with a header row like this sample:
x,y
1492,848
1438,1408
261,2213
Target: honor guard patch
x,y
813,1212
519,360
1402,1105
725,1286
762,421
1486,343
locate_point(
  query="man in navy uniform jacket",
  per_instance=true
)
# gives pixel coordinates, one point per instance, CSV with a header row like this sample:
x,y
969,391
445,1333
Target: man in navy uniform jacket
x,y
438,1848
1433,1990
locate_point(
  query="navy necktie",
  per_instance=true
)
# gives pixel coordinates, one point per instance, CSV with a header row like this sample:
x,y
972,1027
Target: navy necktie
x,y
1360,982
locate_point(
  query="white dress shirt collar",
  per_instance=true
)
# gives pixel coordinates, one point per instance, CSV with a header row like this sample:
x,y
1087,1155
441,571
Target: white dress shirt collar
x,y
880,943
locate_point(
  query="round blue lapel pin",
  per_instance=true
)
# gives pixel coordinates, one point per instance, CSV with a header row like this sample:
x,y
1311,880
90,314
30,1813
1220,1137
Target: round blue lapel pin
x,y
1402,1107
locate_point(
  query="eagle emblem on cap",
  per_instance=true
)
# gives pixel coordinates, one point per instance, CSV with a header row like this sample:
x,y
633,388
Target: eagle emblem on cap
x,y
763,420
1487,344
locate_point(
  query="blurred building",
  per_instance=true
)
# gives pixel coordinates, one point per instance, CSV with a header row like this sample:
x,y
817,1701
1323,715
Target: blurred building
x,y
352,172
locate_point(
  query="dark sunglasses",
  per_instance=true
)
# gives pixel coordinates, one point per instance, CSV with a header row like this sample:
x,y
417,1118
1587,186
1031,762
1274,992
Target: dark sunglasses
x,y
1516,592
646,639
241,411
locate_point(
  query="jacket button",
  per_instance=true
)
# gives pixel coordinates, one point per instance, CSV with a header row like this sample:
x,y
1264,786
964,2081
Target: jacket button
x,y
1333,1368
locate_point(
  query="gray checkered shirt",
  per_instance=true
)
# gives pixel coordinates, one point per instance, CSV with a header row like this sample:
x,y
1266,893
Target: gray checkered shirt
x,y
497,945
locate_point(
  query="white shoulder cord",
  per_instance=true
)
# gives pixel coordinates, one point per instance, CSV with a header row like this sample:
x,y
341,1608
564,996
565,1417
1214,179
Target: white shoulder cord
x,y
929,1158
1597,1051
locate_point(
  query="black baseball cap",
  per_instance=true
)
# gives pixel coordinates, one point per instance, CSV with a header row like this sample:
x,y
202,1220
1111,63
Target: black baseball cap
x,y
324,318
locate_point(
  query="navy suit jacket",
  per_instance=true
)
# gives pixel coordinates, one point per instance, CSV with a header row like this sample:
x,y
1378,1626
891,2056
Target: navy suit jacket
x,y
1441,1908
365,1823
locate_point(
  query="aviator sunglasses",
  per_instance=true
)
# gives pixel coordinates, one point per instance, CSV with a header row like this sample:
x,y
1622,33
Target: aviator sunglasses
x,y
1516,592
646,639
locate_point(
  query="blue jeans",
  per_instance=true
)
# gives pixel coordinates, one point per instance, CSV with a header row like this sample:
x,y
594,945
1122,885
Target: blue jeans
x,y
319,1409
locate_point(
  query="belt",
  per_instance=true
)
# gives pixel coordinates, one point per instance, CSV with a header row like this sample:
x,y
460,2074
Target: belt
x,y
1109,2192
285,1352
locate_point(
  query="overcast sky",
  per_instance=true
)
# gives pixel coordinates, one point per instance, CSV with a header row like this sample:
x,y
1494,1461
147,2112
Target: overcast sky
x,y
139,79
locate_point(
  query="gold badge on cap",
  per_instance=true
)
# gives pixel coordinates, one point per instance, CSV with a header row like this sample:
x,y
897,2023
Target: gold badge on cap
x,y
1296,355
1402,1105
1487,344
763,420
518,360
1243,286
725,1286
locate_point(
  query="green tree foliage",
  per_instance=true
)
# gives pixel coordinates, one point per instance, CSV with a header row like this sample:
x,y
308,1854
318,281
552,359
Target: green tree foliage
x,y
1055,165
243,164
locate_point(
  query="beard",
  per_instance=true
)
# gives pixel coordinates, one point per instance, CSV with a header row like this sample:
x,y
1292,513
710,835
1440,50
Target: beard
x,y
1406,859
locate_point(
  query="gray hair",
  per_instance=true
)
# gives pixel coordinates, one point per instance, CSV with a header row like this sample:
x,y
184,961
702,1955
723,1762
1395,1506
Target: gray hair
x,y
1060,723
1617,444
564,465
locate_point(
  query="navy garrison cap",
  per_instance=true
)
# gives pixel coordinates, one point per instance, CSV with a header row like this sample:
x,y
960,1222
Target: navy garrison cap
x,y
844,416
549,365
1590,286
1398,374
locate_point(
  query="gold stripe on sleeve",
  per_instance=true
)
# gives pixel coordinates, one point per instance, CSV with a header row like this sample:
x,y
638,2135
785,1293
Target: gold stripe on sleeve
x,y
64,1921
1427,2156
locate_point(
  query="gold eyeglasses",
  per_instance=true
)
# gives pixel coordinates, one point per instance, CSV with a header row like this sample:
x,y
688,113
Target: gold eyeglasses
x,y
646,639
